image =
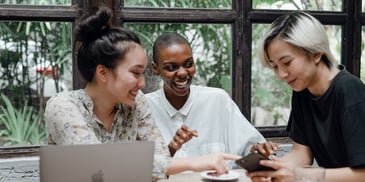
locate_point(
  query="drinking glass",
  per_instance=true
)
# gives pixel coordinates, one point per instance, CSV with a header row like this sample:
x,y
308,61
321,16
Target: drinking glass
x,y
309,174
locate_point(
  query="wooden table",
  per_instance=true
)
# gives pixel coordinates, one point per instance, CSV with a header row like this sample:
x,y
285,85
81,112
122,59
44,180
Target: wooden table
x,y
195,177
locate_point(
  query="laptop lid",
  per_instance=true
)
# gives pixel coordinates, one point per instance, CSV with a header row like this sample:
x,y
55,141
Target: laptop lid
x,y
129,162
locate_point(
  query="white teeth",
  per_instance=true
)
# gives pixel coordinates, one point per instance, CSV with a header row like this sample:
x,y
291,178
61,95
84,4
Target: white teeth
x,y
181,84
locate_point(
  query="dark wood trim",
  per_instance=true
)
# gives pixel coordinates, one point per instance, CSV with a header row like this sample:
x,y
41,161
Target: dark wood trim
x,y
25,151
177,15
245,70
273,131
37,13
268,16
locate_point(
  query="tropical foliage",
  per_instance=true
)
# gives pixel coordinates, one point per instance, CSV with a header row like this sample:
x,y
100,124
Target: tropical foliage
x,y
28,45
21,127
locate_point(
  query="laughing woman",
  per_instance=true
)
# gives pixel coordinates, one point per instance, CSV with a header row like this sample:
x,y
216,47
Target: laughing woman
x,y
111,108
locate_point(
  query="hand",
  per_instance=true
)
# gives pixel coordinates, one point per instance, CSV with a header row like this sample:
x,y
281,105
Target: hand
x,y
182,135
283,171
217,162
266,148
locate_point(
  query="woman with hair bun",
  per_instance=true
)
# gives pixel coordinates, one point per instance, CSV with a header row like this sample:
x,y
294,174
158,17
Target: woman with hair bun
x,y
111,107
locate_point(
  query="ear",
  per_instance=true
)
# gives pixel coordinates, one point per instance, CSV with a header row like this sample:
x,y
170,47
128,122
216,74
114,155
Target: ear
x,y
101,73
317,57
155,68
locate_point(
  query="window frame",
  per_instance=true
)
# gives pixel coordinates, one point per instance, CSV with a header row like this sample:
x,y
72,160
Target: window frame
x,y
241,17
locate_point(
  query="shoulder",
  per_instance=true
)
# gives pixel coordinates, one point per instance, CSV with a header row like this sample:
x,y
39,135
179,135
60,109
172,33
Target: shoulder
x,y
69,100
346,83
153,96
208,91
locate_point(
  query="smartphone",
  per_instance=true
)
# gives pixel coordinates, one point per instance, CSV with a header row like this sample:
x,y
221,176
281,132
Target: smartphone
x,y
251,162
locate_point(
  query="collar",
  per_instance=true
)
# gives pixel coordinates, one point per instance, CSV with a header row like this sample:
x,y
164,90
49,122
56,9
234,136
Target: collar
x,y
171,110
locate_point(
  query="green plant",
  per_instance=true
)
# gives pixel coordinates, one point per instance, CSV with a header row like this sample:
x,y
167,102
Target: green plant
x,y
21,127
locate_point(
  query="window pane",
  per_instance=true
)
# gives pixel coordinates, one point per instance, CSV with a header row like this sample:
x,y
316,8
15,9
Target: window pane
x,y
320,5
363,6
211,44
222,4
271,97
35,63
37,2
362,63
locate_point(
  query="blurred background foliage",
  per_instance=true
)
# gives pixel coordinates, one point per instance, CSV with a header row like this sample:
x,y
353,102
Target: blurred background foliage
x,y
35,56
35,59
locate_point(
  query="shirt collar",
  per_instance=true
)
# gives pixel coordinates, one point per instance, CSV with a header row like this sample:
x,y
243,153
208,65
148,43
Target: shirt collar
x,y
171,110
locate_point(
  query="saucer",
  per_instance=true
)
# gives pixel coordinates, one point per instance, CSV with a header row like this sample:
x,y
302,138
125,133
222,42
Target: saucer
x,y
232,175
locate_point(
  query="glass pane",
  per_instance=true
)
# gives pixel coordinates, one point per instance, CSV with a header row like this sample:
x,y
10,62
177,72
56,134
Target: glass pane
x,y
318,5
363,6
221,4
35,63
271,97
362,63
37,2
211,45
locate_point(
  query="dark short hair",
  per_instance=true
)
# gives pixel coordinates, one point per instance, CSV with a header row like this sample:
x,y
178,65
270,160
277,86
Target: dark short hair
x,y
165,40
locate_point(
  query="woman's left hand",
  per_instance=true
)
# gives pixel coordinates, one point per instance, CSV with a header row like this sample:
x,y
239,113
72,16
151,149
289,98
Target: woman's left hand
x,y
283,171
266,148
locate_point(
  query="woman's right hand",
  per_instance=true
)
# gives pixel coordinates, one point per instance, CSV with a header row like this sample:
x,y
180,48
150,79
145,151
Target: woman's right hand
x,y
182,135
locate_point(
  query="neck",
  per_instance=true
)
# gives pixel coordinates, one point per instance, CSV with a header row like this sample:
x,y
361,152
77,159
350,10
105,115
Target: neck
x,y
103,108
176,101
323,80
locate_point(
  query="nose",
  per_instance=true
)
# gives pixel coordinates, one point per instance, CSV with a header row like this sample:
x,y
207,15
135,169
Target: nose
x,y
181,71
141,82
281,73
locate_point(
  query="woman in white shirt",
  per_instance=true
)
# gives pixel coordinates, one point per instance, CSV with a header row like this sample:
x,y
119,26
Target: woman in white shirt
x,y
210,112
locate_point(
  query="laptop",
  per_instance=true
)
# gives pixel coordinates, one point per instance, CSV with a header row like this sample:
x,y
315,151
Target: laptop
x,y
127,162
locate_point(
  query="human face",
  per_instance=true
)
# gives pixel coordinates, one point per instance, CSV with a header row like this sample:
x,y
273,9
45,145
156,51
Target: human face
x,y
128,77
176,68
292,65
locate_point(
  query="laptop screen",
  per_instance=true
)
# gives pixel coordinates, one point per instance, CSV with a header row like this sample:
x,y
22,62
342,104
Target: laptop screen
x,y
130,161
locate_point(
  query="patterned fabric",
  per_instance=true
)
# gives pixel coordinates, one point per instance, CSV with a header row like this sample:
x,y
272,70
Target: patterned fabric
x,y
70,120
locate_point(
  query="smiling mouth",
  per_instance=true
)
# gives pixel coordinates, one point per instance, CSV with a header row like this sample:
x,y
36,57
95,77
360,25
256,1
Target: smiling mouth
x,y
133,93
291,83
181,84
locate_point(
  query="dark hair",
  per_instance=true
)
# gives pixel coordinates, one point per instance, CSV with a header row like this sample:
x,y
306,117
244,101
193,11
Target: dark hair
x,y
101,42
166,40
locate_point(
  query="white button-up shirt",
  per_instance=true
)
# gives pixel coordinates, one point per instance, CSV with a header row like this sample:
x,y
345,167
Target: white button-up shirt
x,y
211,112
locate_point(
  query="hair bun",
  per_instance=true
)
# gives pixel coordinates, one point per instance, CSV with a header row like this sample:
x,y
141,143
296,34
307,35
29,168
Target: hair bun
x,y
93,25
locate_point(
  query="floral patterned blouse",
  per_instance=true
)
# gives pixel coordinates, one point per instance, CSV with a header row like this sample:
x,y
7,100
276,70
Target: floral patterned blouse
x,y
70,119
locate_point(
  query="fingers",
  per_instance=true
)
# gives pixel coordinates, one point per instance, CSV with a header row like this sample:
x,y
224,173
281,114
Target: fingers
x,y
185,133
266,148
182,135
227,156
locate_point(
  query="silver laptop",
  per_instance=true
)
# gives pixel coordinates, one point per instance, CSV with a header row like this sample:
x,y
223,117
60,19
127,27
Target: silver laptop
x,y
127,162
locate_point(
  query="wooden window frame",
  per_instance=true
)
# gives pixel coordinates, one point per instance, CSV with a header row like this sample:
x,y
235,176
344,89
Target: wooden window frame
x,y
241,17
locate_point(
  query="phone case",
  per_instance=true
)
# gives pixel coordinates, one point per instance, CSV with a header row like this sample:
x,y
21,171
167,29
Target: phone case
x,y
251,162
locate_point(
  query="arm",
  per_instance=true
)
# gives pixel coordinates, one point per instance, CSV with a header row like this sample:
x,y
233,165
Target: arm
x,y
345,174
215,162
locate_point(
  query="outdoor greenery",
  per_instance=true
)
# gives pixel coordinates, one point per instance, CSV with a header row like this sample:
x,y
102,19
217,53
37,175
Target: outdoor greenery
x,y
21,127
29,49
34,58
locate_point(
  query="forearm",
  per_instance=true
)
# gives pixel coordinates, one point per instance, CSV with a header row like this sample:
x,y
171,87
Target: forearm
x,y
179,165
299,155
345,174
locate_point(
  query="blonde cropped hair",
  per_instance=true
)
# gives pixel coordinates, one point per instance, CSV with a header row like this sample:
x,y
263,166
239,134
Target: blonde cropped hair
x,y
301,30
